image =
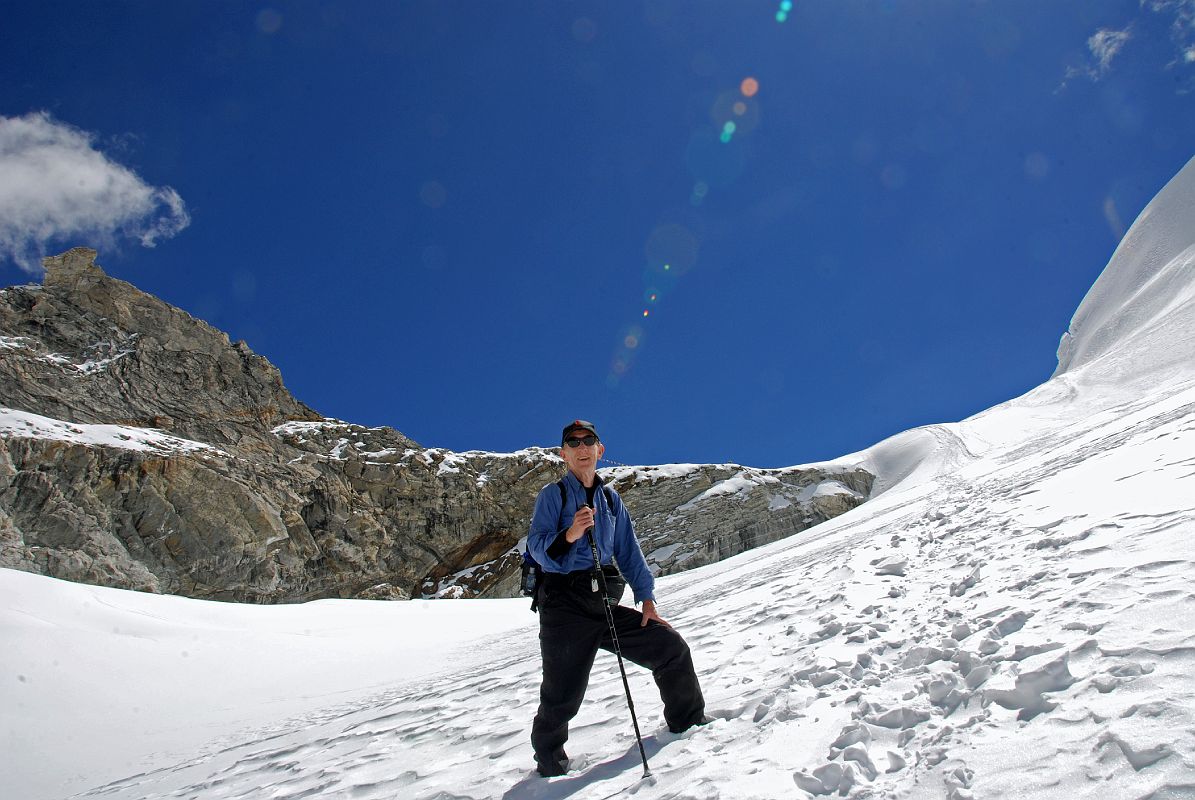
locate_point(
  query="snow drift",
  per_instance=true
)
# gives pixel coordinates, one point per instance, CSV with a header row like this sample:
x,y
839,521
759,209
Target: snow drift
x,y
1134,328
1138,319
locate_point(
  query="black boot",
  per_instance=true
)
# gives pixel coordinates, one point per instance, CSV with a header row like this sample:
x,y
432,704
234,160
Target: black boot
x,y
553,764
697,723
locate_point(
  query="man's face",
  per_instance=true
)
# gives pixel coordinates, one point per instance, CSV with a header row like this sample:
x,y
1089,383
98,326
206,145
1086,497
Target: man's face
x,y
583,457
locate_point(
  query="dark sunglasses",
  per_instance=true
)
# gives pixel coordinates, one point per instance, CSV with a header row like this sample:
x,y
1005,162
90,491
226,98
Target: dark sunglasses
x,y
588,441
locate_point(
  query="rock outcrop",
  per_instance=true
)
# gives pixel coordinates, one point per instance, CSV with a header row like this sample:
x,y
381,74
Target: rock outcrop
x,y
141,448
691,515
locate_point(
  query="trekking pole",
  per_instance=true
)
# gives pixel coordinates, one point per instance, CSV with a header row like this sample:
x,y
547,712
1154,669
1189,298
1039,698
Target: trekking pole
x,y
597,564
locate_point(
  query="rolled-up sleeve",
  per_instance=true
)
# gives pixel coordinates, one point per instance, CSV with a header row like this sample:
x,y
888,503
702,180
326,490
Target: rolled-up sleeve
x,y
630,556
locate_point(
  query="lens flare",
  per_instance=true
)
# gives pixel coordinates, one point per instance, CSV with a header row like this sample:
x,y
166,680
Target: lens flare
x,y
711,161
269,20
893,176
433,194
646,312
671,248
584,30
1112,217
749,87
734,107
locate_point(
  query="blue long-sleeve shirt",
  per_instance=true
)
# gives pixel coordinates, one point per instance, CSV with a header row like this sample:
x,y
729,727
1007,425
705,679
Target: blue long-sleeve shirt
x,y
613,533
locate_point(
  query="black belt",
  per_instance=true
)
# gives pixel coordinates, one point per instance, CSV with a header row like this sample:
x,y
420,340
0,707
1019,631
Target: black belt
x,y
578,579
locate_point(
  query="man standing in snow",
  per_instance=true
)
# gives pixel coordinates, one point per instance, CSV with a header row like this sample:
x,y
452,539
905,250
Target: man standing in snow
x,y
572,621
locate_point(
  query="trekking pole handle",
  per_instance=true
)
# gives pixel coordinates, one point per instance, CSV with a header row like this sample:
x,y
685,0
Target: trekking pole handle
x,y
593,582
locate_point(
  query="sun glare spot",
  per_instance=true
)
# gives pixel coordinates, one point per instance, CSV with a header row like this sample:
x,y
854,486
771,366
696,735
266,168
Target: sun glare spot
x,y
1113,218
269,20
893,176
749,87
1037,166
584,30
433,194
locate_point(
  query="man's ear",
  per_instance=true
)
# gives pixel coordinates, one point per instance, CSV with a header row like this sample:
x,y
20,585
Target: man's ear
x,y
601,449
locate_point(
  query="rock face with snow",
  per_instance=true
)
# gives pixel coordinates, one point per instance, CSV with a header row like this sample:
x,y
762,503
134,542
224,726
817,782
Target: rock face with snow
x,y
695,514
142,449
86,347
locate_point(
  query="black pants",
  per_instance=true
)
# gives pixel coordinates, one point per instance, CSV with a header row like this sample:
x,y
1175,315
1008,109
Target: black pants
x,y
572,626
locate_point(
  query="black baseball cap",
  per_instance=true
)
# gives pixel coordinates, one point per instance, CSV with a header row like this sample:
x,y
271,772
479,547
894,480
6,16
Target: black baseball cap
x,y
578,425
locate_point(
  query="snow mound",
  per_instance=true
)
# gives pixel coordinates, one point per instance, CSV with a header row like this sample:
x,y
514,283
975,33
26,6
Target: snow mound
x,y
914,456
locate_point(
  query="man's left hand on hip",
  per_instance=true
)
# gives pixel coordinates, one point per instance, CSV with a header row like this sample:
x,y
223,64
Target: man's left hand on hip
x,y
649,613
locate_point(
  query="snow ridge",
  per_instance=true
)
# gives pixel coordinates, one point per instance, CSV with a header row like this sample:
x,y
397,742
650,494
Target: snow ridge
x,y
1139,316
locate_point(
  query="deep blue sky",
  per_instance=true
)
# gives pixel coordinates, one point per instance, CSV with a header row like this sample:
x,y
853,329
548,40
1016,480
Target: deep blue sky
x,y
448,217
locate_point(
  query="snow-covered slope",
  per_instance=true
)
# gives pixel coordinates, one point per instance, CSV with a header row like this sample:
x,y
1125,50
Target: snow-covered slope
x,y
16,424
1012,617
1133,333
1138,320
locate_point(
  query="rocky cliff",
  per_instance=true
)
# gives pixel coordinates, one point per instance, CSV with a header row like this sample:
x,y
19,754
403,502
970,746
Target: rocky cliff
x,y
140,448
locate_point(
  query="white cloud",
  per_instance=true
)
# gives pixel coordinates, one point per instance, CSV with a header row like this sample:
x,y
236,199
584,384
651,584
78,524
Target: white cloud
x,y
57,188
1182,29
1104,44
1107,43
1184,14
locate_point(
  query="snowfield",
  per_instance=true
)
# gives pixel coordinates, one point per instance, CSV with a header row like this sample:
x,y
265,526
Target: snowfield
x,y
24,425
1013,616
